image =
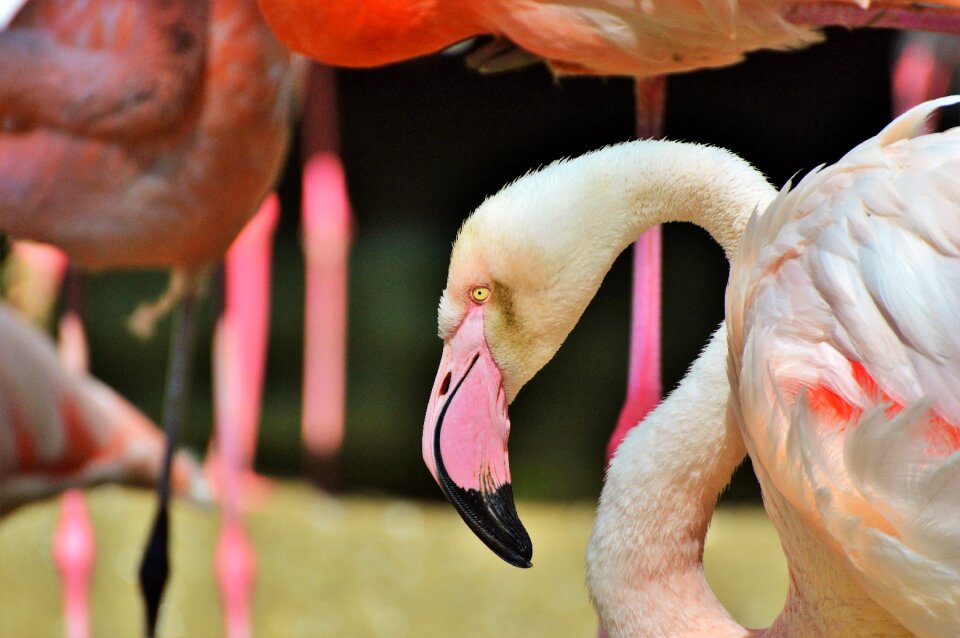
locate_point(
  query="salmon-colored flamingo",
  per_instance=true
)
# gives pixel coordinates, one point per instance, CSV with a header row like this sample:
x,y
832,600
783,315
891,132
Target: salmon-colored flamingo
x,y
843,370
60,427
163,128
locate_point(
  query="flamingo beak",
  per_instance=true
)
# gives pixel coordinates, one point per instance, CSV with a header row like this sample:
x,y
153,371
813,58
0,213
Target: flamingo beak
x,y
465,442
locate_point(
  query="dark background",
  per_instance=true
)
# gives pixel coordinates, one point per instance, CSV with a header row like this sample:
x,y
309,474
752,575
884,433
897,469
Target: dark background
x,y
423,143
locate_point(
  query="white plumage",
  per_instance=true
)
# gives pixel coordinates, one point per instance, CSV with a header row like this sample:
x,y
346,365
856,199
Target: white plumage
x,y
842,309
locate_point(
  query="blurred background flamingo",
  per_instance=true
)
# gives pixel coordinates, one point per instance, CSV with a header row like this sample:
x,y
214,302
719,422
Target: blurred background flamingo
x,y
135,162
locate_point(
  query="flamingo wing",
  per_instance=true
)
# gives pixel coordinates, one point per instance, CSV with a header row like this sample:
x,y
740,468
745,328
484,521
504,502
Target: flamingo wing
x,y
845,362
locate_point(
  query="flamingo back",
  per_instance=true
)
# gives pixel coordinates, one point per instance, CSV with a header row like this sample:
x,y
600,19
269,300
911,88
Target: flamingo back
x,y
845,363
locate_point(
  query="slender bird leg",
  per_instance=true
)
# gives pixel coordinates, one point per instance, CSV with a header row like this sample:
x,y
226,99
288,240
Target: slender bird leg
x,y
246,307
643,379
239,351
75,544
74,552
326,230
155,565
326,239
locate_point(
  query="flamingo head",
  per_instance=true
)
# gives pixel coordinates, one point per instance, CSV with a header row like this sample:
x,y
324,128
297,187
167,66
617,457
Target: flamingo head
x,y
513,294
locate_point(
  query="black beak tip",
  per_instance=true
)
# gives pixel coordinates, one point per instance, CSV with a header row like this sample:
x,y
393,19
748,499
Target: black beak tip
x,y
517,559
492,516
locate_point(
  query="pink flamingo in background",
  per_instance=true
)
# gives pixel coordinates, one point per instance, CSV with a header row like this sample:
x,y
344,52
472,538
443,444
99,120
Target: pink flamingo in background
x,y
157,150
61,428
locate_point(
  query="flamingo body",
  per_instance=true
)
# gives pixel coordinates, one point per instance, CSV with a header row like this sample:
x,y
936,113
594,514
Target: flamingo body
x,y
60,428
593,36
193,174
845,368
604,37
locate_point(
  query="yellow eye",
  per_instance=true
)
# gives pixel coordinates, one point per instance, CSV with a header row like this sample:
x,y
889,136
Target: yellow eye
x,y
480,294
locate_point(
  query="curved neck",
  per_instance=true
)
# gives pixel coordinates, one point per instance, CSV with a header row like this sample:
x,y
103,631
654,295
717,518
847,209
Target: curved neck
x,y
645,556
566,224
644,560
641,184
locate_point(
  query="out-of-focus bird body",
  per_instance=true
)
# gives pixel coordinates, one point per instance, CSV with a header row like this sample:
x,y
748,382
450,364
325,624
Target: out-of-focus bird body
x,y
60,428
106,199
606,37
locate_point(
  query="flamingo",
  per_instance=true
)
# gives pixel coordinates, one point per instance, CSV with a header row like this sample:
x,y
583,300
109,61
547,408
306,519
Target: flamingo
x,y
859,474
152,144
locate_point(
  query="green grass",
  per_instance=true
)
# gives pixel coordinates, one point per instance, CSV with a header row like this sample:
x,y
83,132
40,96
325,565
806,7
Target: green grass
x,y
357,567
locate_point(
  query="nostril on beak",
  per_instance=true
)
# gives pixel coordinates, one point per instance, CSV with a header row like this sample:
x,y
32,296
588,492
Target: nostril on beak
x,y
445,385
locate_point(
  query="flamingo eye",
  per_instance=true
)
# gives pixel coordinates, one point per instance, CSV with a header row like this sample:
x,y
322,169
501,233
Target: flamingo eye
x,y
480,294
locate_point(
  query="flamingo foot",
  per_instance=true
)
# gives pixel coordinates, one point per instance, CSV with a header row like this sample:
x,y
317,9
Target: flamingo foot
x,y
255,488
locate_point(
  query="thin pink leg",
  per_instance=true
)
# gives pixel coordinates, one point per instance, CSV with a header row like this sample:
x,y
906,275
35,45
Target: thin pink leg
x,y
643,379
326,238
247,311
74,552
239,353
236,566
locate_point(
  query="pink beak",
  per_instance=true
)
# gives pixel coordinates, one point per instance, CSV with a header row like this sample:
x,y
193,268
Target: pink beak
x,y
465,441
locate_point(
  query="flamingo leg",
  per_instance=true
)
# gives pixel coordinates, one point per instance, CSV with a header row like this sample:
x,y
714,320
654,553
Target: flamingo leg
x,y
33,273
246,307
326,228
326,238
643,379
239,353
74,552
155,564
